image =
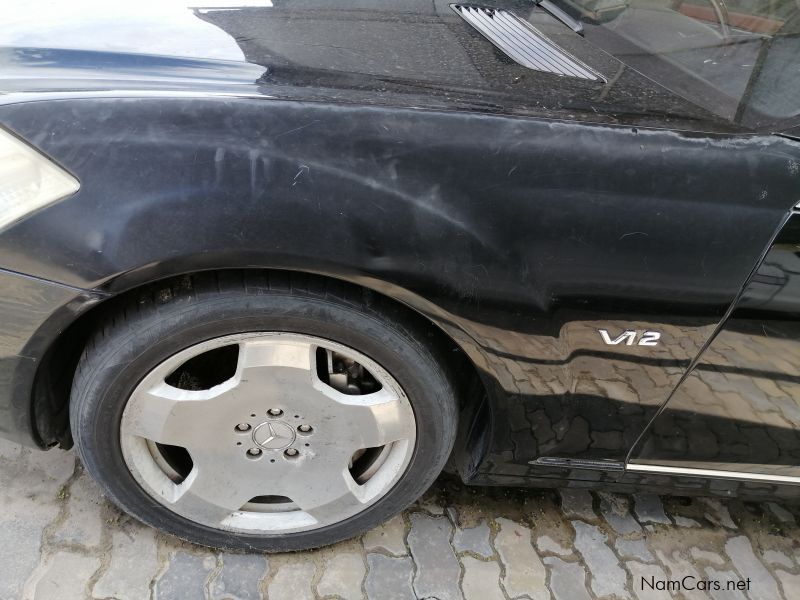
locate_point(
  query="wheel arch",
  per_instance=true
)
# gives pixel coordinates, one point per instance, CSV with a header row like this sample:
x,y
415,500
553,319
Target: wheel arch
x,y
50,395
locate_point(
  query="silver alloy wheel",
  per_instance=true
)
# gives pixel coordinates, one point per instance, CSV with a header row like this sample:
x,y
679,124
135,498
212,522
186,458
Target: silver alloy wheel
x,y
274,429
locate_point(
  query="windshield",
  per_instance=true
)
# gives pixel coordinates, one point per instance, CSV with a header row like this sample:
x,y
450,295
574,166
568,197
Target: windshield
x,y
740,59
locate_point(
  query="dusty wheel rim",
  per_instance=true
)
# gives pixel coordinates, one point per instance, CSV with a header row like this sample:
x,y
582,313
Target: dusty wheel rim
x,y
270,448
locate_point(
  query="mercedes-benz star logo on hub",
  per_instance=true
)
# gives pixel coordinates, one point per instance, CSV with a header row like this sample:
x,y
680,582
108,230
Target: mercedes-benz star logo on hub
x,y
274,435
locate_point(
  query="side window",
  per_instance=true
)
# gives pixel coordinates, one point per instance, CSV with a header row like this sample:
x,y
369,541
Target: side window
x,y
735,58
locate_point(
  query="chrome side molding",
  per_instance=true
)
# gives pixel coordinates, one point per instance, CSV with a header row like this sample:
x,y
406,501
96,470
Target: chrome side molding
x,y
653,469
523,43
710,473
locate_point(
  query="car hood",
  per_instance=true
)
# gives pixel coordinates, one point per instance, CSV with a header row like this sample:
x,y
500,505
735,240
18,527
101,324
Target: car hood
x,y
413,53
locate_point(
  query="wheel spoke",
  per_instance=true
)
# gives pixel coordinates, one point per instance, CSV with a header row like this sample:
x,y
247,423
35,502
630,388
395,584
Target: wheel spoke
x,y
210,495
373,420
279,371
169,415
264,360
328,494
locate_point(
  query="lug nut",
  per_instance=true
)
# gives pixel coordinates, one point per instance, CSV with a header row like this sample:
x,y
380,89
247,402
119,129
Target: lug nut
x,y
242,427
275,412
305,428
290,452
254,452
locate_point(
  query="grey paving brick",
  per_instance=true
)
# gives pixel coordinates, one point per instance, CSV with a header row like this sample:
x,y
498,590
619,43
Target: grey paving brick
x,y
705,555
389,578
240,577
679,568
685,521
775,557
649,581
718,513
649,509
784,516
21,542
747,564
474,539
546,544
292,581
64,575
438,571
29,486
524,571
567,580
133,564
633,549
342,576
723,577
33,473
185,577
431,504
607,576
577,504
84,522
790,583
481,580
616,511
390,537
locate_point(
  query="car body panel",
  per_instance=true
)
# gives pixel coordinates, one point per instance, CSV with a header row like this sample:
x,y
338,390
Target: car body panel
x,y
535,220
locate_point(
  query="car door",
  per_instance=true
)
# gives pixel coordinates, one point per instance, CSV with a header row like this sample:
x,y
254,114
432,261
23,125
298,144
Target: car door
x,y
736,413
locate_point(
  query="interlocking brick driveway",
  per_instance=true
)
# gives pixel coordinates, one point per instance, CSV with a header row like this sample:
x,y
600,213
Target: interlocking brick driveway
x,y
62,540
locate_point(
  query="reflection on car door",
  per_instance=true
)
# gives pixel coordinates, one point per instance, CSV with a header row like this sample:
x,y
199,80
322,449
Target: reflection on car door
x,y
737,412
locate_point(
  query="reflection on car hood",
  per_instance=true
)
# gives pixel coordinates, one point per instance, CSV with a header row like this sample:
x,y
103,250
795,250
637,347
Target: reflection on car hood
x,y
161,27
414,53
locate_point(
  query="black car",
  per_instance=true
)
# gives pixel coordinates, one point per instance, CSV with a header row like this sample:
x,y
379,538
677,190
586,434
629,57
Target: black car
x,y
272,267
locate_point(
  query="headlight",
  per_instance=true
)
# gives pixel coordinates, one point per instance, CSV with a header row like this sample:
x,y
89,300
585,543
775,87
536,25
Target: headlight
x,y
28,180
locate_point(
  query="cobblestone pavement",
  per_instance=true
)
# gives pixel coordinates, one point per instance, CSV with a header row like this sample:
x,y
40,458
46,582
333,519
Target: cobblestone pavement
x,y
62,540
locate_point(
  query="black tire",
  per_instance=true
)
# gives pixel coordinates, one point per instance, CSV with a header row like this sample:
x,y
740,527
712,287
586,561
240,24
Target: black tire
x,y
146,330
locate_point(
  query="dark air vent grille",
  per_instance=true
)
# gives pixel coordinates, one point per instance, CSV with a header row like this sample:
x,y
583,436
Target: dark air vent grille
x,y
523,43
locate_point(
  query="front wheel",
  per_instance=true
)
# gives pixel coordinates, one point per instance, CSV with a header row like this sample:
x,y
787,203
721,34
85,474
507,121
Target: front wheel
x,y
255,414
